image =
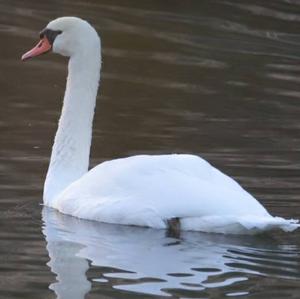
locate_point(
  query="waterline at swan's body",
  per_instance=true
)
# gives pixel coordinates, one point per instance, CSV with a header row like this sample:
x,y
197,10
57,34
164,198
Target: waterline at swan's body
x,y
139,190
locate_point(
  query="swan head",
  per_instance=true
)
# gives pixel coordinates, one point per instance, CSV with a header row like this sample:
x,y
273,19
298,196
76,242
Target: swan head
x,y
67,36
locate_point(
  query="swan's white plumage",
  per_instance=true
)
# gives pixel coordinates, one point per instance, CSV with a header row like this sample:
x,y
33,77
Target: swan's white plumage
x,y
140,190
148,190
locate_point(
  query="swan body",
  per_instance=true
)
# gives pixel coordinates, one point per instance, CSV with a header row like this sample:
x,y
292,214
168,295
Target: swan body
x,y
141,190
147,190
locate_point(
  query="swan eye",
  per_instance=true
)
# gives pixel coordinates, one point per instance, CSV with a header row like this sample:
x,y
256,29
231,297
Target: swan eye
x,y
50,34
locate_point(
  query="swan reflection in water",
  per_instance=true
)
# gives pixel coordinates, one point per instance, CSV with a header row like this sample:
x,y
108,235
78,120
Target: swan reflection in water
x,y
145,260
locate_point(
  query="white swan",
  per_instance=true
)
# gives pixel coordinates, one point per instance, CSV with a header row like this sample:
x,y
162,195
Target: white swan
x,y
140,190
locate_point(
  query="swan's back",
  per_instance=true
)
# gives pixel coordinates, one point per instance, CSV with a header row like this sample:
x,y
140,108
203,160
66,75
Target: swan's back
x,y
148,190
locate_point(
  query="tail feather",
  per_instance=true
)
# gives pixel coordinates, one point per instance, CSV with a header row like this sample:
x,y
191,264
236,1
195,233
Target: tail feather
x,y
238,225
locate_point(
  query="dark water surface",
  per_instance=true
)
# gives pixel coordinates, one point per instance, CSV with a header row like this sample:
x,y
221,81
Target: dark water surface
x,y
215,78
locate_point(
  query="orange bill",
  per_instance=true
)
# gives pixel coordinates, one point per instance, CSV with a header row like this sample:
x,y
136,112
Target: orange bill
x,y
42,47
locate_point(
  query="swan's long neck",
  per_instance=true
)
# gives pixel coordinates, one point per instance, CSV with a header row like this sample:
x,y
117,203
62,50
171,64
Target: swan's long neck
x,y
71,149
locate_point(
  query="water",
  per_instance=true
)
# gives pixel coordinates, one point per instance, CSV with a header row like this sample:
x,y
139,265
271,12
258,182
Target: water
x,y
215,78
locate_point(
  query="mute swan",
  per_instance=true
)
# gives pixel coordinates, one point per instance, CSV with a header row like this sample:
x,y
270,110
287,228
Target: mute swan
x,y
141,190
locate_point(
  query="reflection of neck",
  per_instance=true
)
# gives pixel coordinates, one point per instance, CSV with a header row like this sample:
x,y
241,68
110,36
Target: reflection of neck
x,y
70,270
65,260
71,149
